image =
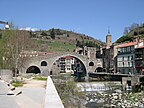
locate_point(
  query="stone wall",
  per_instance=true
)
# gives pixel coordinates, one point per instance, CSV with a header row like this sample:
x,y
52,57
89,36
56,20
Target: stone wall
x,y
6,75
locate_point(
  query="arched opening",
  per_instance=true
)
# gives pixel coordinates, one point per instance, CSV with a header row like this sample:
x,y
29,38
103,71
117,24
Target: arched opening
x,y
91,64
99,69
69,64
43,63
33,69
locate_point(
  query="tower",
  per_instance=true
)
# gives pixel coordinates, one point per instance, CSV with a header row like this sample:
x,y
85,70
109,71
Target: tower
x,y
108,39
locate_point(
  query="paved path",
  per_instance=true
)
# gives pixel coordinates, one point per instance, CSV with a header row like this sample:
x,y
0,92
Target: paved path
x,y
31,96
6,101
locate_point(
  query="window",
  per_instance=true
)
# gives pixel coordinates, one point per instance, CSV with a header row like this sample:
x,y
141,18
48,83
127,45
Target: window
x,y
131,64
125,50
131,57
128,64
130,71
128,49
123,64
123,71
128,57
123,58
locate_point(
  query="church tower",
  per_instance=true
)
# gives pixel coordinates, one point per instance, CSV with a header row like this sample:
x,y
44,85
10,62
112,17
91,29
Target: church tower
x,y
108,39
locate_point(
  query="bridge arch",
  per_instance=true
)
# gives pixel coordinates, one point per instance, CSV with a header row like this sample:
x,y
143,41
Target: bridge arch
x,y
51,60
80,60
33,69
99,69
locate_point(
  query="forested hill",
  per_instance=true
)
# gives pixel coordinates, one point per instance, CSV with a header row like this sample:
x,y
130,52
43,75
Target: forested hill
x,y
135,30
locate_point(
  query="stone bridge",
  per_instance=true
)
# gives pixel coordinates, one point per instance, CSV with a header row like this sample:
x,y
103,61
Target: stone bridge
x,y
50,59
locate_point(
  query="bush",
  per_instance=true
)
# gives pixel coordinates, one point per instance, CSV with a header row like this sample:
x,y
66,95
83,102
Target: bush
x,y
44,33
124,39
40,78
18,83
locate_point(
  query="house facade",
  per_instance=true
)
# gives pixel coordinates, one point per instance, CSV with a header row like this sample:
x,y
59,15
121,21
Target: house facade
x,y
139,60
125,58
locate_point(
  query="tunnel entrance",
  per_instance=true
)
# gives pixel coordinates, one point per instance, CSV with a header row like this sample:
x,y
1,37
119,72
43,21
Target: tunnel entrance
x,y
33,69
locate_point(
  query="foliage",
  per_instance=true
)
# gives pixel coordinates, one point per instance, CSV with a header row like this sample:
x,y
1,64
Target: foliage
x,y
124,39
87,43
90,44
133,30
52,33
18,83
80,44
0,35
40,78
11,45
69,92
54,46
44,33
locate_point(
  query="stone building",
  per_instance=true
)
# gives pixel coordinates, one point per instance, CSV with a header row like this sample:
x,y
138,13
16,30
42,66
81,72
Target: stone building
x,y
108,40
108,55
94,62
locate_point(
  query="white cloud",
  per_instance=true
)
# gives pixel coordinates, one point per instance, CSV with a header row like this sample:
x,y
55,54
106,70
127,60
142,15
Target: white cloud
x,y
29,29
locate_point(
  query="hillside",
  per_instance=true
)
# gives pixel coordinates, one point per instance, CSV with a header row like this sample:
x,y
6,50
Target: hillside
x,y
135,30
57,40
54,40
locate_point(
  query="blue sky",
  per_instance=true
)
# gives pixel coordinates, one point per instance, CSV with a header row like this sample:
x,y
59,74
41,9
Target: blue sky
x,y
90,17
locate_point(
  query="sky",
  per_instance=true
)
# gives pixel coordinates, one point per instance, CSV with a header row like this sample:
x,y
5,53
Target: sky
x,y
90,17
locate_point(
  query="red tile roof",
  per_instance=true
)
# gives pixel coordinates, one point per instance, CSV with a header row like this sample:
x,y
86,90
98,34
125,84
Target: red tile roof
x,y
128,44
68,57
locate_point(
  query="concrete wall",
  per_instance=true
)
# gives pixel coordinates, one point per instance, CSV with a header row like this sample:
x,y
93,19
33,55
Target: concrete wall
x,y
52,99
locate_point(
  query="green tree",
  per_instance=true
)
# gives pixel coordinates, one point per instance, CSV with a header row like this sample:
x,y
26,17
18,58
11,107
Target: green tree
x,y
124,39
44,33
0,35
52,33
90,44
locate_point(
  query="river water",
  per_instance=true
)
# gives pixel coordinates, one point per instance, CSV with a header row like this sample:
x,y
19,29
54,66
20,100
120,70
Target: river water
x,y
99,94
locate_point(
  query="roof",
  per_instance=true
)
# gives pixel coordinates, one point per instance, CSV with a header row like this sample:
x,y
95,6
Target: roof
x,y
128,44
140,47
68,57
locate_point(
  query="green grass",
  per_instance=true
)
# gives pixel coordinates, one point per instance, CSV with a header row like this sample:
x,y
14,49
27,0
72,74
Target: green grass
x,y
55,46
18,84
40,78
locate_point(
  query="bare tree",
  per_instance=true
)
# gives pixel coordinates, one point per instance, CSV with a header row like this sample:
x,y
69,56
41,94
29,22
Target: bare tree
x,y
126,30
14,43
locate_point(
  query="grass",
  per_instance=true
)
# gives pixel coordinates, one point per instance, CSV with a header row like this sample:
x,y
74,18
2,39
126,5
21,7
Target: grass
x,y
18,84
40,78
55,46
